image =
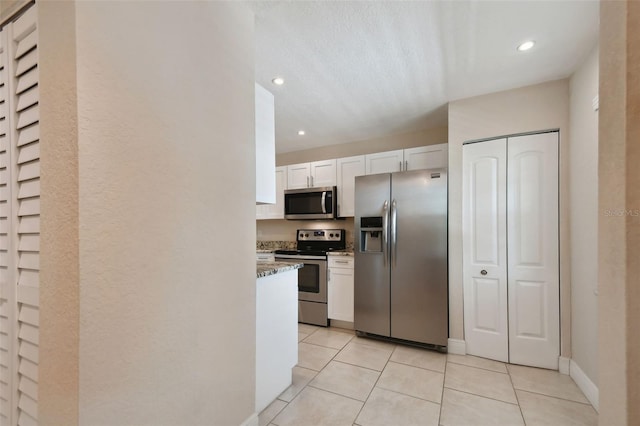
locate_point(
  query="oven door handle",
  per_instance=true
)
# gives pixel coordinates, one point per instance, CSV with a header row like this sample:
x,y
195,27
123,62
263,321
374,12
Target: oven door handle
x,y
323,202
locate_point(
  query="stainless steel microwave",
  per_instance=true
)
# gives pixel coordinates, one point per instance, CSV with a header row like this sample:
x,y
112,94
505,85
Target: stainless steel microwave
x,y
310,203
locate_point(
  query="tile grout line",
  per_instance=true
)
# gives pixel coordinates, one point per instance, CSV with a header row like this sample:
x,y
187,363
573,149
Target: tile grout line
x,y
336,393
481,396
554,397
422,368
479,368
410,396
356,365
375,384
444,379
516,395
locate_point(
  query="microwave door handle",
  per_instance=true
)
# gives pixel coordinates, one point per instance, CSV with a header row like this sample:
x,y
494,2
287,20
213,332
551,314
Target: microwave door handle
x,y
324,206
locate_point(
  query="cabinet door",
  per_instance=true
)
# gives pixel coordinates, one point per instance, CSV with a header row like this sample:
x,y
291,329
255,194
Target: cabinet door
x,y
384,162
298,176
323,173
348,169
426,157
265,147
275,211
484,250
340,294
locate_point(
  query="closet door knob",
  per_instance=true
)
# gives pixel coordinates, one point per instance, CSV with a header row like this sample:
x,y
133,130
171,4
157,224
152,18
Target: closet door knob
x,y
483,272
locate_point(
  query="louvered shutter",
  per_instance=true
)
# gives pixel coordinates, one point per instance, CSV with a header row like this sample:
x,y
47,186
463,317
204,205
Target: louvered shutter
x,y
7,290
19,220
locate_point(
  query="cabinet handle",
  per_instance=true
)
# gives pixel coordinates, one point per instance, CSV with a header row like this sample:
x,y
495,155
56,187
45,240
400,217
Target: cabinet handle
x,y
401,166
341,261
312,181
406,165
328,274
483,272
308,182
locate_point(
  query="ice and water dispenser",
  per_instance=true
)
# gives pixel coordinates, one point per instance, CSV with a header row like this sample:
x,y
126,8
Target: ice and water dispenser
x,y
371,239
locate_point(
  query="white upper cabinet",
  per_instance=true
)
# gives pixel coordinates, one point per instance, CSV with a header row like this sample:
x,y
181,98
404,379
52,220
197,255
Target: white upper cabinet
x,y
426,157
347,170
384,162
323,173
311,175
423,157
275,211
265,147
298,176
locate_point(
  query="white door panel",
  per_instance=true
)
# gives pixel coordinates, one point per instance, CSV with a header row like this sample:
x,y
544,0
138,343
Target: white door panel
x,y
426,157
323,173
532,193
384,162
484,249
298,176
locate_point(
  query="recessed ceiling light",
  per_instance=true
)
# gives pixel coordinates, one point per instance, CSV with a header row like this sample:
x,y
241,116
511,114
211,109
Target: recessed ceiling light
x,y
526,45
301,132
279,81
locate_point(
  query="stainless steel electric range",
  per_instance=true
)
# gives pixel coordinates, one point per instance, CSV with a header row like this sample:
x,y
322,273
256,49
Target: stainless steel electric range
x,y
312,248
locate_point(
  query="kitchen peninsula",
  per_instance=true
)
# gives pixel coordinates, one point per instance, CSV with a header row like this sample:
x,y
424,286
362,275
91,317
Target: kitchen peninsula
x,y
276,329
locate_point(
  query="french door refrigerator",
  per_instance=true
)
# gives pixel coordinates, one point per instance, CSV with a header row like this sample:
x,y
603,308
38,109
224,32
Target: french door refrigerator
x,y
401,282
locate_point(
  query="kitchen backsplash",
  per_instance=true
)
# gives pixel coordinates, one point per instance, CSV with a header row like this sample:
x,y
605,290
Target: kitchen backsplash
x,y
281,234
275,245
286,245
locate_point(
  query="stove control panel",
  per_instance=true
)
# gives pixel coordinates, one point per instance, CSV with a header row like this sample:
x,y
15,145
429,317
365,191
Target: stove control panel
x,y
320,234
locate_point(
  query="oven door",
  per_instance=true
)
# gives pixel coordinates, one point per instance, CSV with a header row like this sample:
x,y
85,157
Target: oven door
x,y
312,277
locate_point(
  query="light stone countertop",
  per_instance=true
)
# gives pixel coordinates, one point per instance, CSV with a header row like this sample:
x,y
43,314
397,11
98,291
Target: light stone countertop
x,y
341,253
264,269
265,250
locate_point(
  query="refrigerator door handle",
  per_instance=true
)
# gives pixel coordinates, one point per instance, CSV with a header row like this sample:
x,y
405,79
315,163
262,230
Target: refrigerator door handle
x,y
394,233
385,227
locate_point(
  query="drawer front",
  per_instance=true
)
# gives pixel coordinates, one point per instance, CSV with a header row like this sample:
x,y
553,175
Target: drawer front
x,y
340,262
265,257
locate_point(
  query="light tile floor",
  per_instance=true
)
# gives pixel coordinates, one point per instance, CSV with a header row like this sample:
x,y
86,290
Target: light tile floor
x,y
343,379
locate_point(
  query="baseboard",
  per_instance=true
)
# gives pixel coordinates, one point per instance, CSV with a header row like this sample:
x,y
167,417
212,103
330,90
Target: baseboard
x,y
251,421
585,384
341,324
456,347
563,365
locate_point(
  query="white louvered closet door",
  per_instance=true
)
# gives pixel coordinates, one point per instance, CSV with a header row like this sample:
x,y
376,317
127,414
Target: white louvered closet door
x,y
19,221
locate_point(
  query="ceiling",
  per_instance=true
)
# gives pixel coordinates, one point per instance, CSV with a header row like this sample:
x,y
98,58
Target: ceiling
x,y
360,70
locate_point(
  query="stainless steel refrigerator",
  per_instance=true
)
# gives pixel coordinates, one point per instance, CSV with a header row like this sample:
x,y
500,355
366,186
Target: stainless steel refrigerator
x,y
401,256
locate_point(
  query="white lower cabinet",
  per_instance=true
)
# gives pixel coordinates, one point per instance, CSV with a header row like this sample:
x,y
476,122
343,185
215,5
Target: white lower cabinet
x,y
340,288
276,335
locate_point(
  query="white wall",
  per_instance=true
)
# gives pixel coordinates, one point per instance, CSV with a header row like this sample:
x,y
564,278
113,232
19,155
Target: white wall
x,y
584,217
167,212
385,143
532,108
58,368
619,234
